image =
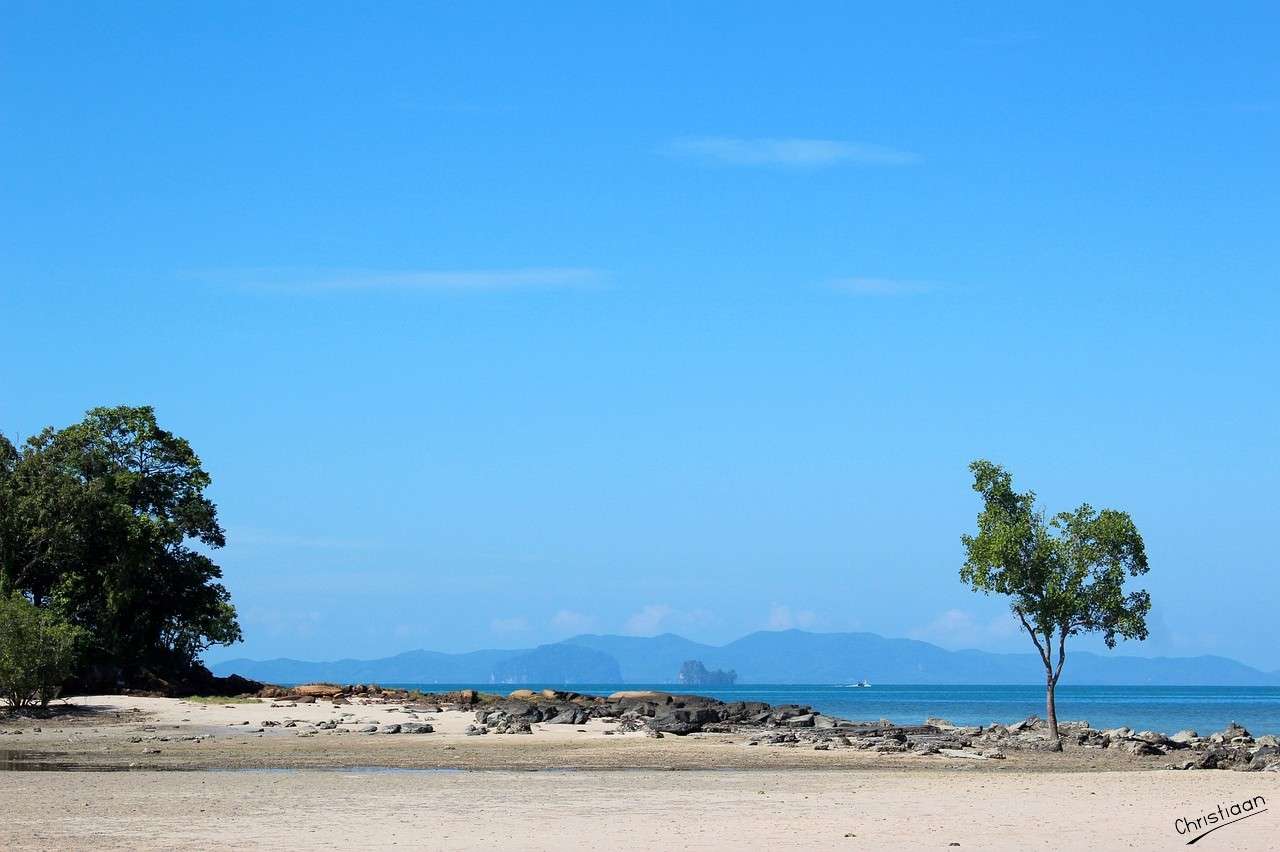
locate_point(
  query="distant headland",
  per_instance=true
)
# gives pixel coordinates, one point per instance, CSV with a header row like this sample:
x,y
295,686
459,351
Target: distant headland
x,y
781,657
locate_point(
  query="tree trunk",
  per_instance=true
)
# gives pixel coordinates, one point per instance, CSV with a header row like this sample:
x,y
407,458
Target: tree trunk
x,y
1051,710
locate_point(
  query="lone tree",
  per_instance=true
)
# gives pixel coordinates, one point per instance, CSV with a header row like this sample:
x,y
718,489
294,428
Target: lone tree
x,y
1065,576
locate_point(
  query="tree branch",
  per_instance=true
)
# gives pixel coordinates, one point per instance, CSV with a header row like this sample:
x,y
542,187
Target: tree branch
x,y
1044,655
1062,655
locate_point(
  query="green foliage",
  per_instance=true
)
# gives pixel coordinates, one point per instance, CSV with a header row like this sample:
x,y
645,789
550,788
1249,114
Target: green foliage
x,y
1065,576
37,653
99,523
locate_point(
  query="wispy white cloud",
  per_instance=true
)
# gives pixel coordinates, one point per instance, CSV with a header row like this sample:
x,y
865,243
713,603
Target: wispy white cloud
x,y
649,619
656,618
883,286
960,628
782,617
455,280
568,621
802,153
402,631
516,624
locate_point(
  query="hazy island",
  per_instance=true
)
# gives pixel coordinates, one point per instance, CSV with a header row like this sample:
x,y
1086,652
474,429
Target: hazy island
x,y
694,673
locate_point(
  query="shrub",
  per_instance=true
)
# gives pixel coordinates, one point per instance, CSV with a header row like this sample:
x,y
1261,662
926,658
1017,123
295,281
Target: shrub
x,y
37,653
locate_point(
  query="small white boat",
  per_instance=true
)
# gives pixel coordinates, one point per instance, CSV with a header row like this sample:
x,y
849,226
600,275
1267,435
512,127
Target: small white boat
x,y
859,684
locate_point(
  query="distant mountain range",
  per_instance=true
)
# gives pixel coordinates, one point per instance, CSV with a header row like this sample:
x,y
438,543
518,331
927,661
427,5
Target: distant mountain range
x,y
787,656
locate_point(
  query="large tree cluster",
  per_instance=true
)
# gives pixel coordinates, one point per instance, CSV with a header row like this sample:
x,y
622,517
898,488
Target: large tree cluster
x,y
105,525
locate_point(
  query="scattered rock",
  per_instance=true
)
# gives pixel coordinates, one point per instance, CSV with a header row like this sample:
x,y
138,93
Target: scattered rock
x,y
1214,758
318,690
1231,733
1028,724
1141,748
1264,758
640,695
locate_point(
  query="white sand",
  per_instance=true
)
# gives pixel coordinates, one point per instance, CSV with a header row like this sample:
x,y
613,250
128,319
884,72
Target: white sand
x,y
798,809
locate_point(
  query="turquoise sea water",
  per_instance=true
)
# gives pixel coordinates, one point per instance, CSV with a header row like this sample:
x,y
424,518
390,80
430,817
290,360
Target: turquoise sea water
x,y
1159,708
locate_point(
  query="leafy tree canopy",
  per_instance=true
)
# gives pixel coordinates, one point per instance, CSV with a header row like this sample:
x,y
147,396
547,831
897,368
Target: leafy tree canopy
x,y
106,523
37,653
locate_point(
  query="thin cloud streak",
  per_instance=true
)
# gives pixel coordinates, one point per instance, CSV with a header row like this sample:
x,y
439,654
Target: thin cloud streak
x,y
795,153
883,286
455,280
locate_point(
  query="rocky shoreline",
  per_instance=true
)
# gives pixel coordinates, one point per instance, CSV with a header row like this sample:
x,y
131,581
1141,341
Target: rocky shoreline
x,y
659,714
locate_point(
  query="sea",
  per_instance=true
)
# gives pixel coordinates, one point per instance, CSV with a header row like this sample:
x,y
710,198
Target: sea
x,y
1204,709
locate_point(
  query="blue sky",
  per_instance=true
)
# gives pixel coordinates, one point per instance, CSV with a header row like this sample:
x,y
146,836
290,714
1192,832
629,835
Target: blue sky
x,y
496,325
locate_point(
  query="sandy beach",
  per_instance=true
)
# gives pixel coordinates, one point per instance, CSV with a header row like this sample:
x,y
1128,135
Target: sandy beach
x,y
754,809
270,786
